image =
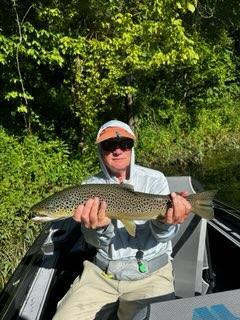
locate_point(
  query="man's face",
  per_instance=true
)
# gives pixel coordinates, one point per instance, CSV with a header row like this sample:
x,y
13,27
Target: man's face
x,y
117,154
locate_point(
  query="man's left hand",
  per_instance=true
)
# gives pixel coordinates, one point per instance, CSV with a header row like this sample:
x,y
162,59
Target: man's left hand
x,y
180,209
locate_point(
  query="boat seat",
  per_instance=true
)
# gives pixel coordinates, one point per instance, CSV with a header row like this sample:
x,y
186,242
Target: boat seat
x,y
189,246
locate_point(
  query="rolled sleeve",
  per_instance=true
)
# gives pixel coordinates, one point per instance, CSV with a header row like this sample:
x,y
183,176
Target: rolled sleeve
x,y
163,231
99,237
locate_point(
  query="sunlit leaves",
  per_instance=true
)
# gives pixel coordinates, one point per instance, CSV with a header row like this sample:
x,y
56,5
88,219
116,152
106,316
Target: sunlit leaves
x,y
11,95
29,171
190,7
129,44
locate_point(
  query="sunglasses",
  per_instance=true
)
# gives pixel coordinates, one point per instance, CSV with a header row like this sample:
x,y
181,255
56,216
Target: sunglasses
x,y
111,145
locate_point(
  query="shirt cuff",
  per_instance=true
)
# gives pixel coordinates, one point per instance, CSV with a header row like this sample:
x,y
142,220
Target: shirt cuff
x,y
106,230
163,226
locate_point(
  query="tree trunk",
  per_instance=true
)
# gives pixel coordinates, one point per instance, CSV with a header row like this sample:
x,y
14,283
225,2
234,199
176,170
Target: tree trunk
x,y
129,106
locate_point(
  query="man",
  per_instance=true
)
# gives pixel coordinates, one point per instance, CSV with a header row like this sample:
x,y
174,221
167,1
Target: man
x,y
126,269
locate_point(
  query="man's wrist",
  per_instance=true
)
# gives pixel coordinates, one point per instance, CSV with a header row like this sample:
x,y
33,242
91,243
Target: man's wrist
x,y
108,228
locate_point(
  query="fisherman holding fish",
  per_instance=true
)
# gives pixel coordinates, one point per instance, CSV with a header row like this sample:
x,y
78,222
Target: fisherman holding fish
x,y
131,266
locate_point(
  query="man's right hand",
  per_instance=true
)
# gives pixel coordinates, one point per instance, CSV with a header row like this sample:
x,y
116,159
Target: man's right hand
x,y
92,214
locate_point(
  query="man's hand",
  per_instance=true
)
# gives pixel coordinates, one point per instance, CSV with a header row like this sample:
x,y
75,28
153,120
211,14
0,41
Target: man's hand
x,y
180,209
92,214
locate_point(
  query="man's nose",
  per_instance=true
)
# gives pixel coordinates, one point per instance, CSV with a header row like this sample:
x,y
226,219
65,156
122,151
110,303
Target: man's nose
x,y
117,151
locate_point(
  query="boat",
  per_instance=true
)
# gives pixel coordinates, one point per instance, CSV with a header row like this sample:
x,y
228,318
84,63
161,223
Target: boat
x,y
205,261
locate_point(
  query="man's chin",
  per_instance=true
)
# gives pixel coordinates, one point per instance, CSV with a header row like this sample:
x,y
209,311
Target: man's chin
x,y
119,168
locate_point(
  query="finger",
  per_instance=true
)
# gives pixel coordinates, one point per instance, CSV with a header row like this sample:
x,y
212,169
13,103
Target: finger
x,y
177,207
188,207
103,219
86,213
181,209
173,195
93,216
78,213
186,204
169,216
102,211
183,194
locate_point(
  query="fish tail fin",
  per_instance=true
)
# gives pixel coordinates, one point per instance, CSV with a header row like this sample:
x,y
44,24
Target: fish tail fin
x,y
202,203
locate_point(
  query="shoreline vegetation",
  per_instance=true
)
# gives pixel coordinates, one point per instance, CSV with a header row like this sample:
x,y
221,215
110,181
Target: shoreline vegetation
x,y
170,69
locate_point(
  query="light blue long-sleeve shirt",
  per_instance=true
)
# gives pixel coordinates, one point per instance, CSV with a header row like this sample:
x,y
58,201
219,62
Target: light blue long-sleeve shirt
x,y
152,237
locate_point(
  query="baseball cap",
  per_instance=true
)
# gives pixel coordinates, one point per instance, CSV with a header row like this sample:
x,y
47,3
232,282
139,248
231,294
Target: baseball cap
x,y
114,132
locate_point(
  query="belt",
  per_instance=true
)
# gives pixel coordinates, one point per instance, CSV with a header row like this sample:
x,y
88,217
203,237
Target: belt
x,y
128,269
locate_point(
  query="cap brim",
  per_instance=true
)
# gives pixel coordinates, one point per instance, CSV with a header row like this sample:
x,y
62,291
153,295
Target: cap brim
x,y
114,132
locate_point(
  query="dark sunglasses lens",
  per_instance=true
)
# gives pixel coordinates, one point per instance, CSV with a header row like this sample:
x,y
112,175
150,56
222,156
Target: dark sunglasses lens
x,y
126,144
114,144
108,145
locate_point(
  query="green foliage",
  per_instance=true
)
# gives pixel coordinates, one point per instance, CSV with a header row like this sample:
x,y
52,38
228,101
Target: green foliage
x,y
170,148
29,171
67,67
210,152
130,46
132,41
79,61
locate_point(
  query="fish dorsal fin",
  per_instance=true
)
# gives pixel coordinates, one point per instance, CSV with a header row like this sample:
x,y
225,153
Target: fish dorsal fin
x,y
127,186
129,226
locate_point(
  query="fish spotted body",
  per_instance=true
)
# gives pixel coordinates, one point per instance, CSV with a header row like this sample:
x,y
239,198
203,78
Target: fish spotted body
x,y
123,203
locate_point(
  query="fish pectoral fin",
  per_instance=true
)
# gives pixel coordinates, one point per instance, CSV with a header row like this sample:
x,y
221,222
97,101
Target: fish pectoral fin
x,y
129,226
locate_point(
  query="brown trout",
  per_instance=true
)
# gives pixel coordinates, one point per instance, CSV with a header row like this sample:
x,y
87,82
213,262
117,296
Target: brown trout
x,y
123,203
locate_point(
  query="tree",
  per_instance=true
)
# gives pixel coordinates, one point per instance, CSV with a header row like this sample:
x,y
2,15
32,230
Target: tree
x,y
100,63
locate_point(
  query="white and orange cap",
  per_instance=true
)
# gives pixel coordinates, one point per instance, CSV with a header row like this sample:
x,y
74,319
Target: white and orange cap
x,y
111,132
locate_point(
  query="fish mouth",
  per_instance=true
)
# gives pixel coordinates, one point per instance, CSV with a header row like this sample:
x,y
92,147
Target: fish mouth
x,y
42,216
45,216
42,219
39,216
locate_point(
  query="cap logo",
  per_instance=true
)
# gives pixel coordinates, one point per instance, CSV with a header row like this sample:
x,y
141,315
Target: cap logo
x,y
118,135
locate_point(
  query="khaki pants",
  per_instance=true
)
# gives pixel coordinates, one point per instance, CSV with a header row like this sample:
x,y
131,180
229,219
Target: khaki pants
x,y
94,292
